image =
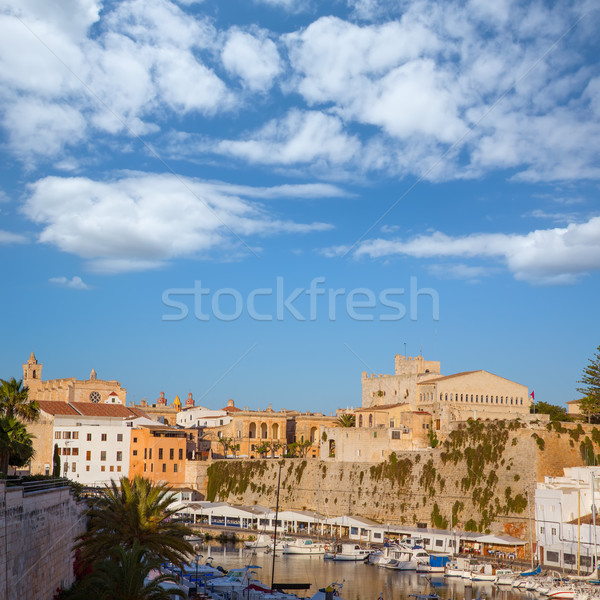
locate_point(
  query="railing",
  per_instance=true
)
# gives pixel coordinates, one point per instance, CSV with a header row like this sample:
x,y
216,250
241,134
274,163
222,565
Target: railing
x,y
30,487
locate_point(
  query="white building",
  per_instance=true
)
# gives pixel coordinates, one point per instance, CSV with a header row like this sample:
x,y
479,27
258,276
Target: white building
x,y
564,518
199,416
93,450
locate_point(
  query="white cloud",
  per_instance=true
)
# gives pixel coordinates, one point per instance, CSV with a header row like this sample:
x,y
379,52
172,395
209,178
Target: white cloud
x,y
547,256
142,221
6,237
75,283
300,137
254,59
460,271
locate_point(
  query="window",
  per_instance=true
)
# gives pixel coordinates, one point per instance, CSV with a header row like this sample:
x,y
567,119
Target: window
x,y
75,451
135,452
144,467
570,559
358,453
152,467
66,435
111,468
360,420
119,437
119,456
150,453
57,435
103,455
439,542
171,453
554,531
374,434
542,529
180,453
118,468
392,423
76,435
135,440
164,468
103,468
552,556
87,467
145,453
88,455
89,437
103,437
396,434
175,468
160,453
73,466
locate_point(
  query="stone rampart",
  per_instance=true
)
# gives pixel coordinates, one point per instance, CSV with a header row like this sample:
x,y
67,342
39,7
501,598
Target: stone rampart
x,y
479,479
36,535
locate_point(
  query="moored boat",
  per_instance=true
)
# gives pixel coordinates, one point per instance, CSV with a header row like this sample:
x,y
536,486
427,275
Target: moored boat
x,y
303,546
346,552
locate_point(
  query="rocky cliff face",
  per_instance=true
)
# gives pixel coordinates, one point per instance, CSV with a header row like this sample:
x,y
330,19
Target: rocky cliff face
x,y
479,479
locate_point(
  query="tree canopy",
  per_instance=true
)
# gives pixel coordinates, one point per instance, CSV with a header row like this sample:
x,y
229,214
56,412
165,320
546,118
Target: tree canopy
x,y
135,511
557,413
590,387
16,444
14,400
346,420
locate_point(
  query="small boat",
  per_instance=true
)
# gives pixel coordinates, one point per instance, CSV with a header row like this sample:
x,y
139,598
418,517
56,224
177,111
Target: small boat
x,y
505,576
535,571
304,547
453,570
562,592
349,552
262,541
332,590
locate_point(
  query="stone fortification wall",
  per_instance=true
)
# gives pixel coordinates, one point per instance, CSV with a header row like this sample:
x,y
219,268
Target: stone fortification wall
x,y
479,479
36,535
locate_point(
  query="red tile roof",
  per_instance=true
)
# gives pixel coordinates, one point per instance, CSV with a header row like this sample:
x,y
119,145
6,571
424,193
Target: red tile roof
x,y
89,409
232,409
57,408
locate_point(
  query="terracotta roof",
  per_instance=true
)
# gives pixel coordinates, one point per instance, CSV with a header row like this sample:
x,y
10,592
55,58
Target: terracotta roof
x,y
57,408
89,409
232,409
380,407
444,377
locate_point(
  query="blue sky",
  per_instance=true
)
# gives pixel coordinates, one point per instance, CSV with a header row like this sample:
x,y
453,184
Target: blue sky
x,y
261,149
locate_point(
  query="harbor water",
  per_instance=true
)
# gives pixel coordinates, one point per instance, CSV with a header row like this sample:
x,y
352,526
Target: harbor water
x,y
360,581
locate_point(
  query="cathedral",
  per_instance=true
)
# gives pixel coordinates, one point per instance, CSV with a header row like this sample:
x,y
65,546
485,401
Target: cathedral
x,y
70,389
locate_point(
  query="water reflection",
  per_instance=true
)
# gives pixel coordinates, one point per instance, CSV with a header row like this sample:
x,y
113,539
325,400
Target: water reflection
x,y
361,581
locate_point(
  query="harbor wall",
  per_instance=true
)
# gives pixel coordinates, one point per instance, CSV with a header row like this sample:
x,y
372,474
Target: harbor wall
x,y
36,534
480,479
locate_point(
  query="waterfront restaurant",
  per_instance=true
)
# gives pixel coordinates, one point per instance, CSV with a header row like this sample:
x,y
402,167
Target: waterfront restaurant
x,y
261,518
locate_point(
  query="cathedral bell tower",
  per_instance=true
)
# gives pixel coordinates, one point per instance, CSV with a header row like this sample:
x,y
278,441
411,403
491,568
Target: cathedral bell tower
x,y
32,370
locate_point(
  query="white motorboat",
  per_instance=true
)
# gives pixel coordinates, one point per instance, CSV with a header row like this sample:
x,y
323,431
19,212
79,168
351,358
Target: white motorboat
x,y
402,558
505,576
453,570
562,592
484,573
236,580
349,552
303,546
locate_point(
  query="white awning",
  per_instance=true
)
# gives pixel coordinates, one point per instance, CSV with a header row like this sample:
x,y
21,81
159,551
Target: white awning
x,y
500,540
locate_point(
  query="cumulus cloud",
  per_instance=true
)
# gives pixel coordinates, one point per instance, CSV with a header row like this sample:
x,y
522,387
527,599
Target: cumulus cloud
x,y
254,59
299,137
7,237
75,283
546,256
142,221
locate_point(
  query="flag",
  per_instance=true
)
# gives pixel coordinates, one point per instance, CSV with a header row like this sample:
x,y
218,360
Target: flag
x,y
532,395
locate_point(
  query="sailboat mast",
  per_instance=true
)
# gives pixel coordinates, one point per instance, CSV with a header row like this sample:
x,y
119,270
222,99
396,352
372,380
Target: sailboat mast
x,y
276,519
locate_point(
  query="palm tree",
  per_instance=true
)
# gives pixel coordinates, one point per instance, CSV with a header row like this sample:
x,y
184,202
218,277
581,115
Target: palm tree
x,y
346,420
130,511
14,400
16,444
124,577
